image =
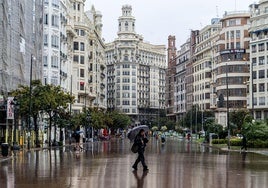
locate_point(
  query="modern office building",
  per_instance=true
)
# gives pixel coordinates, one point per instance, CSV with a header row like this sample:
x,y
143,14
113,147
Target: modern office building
x,y
135,72
258,82
231,65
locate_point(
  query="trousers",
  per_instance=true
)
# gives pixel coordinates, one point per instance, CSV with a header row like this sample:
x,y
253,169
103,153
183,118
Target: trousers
x,y
140,159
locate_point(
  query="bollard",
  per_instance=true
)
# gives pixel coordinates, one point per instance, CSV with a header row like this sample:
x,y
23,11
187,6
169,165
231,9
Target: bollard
x,y
4,148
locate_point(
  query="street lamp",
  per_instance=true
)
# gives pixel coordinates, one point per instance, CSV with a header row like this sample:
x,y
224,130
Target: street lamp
x,y
30,101
227,104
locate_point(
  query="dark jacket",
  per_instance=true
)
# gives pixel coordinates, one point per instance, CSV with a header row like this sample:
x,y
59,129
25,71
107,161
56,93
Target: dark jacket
x,y
141,142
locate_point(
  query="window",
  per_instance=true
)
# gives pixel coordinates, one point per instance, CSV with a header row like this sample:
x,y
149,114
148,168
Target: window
x,y
125,87
254,75
227,35
74,6
82,59
254,61
82,32
82,73
78,6
76,46
254,88
253,49
238,34
54,61
238,45
54,80
262,101
82,46
55,41
45,61
46,19
261,60
261,74
45,40
82,85
232,34
76,58
125,102
55,20
261,47
55,3
261,87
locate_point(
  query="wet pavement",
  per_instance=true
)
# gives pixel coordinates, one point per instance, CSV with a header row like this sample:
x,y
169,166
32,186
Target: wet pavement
x,y
176,164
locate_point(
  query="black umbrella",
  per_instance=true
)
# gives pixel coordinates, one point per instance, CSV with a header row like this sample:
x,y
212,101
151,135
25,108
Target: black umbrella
x,y
133,132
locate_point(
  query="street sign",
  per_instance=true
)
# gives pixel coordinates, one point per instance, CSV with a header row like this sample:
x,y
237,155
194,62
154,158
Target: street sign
x,y
10,108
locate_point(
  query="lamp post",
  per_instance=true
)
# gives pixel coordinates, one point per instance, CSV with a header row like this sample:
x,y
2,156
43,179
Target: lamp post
x,y
252,89
227,104
30,102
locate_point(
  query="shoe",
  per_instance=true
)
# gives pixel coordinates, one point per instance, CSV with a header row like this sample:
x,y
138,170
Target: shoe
x,y
145,169
134,167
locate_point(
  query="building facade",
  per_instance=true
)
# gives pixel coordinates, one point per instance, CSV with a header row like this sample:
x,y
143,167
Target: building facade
x,y
21,34
258,82
170,77
231,65
183,59
202,64
86,47
135,73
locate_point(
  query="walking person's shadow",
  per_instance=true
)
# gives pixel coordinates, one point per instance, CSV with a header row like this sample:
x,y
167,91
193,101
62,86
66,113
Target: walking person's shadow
x,y
140,179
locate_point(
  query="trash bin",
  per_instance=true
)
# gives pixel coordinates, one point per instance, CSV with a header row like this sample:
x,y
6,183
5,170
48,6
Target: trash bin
x,y
4,147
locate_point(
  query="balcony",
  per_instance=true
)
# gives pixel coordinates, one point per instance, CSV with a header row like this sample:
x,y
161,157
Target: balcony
x,y
63,74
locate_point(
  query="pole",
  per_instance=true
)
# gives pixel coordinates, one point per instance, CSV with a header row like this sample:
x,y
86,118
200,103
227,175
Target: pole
x,y
252,89
30,102
227,106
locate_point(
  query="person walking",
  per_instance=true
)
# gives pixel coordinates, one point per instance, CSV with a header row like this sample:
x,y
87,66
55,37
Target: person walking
x,y
244,143
141,141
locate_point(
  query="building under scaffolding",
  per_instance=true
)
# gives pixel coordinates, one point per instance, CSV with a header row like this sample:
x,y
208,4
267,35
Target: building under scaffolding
x,y
21,38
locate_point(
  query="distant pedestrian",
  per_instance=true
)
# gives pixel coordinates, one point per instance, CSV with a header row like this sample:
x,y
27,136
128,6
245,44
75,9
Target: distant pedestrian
x,y
244,143
140,141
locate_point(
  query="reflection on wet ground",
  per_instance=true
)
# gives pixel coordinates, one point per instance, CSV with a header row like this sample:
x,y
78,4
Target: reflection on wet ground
x,y
108,165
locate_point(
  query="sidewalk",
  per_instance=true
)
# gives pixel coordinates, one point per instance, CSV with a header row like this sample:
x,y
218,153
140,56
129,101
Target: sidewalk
x,y
262,151
10,156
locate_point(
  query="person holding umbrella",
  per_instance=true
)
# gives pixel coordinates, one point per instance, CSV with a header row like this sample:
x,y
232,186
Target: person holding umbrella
x,y
141,141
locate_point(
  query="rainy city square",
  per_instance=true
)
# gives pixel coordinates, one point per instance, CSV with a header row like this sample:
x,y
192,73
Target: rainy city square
x,y
107,164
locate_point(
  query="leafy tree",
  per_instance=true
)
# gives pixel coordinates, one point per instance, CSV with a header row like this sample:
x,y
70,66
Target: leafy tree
x,y
256,130
48,99
54,101
30,107
120,121
237,118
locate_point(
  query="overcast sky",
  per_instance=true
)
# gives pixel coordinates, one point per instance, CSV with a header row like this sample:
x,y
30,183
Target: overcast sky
x,y
156,19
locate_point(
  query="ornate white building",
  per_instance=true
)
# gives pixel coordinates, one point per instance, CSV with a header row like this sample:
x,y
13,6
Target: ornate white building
x,y
135,72
86,51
